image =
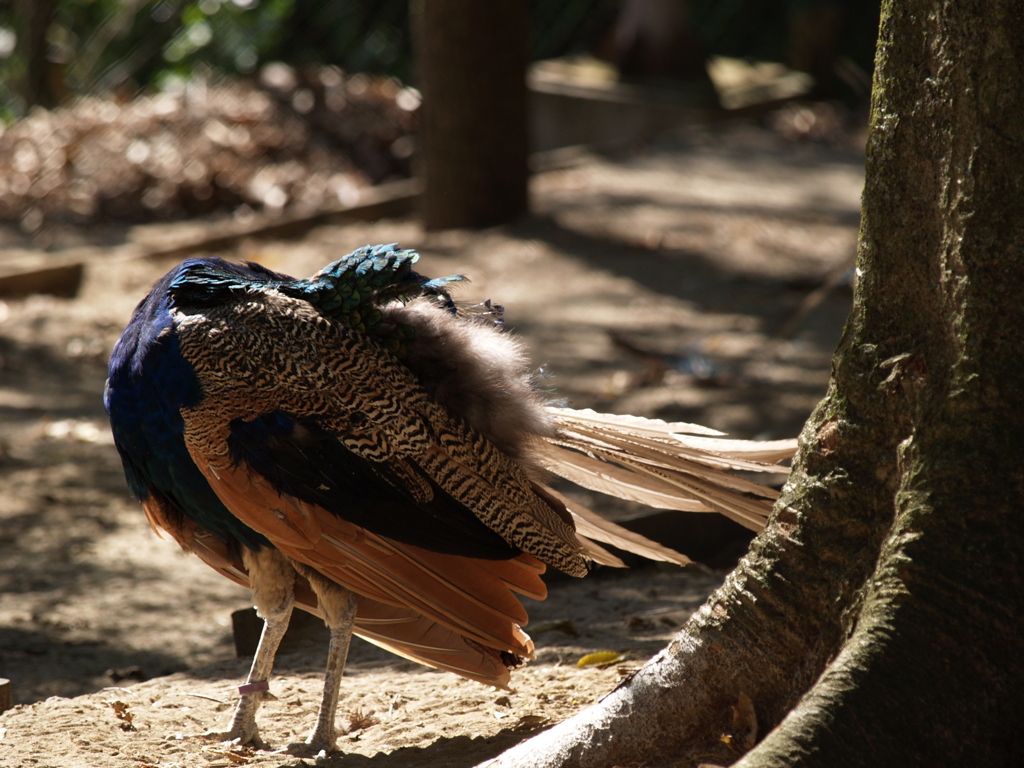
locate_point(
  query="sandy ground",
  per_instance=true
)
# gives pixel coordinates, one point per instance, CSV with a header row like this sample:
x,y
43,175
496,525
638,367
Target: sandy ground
x,y
696,250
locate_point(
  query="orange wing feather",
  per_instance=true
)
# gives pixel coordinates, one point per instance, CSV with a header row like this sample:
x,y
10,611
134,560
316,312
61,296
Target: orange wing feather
x,y
475,598
398,629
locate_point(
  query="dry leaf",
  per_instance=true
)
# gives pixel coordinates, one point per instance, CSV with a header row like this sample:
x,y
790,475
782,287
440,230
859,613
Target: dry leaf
x,y
600,659
122,712
236,755
230,146
357,721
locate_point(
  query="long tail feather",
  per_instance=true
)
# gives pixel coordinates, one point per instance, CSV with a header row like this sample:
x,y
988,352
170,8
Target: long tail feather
x,y
649,461
590,525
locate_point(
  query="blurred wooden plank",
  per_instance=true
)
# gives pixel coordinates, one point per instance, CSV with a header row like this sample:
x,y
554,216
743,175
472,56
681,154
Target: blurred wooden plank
x,y
63,279
385,201
60,274
246,628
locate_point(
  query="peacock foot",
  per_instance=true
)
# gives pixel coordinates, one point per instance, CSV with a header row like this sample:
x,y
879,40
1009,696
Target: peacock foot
x,y
243,729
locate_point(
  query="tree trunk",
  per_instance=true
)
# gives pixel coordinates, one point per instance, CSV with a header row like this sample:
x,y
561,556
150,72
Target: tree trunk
x,y
877,621
34,18
471,69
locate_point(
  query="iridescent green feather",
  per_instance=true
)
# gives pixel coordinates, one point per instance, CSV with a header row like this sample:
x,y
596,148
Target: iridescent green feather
x,y
355,287
351,290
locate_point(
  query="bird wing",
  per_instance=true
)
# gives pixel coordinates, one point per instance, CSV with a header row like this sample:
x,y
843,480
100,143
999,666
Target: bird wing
x,y
273,357
412,636
299,413
400,630
475,597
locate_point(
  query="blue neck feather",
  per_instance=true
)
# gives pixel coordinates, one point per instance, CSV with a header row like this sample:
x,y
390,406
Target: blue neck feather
x,y
149,383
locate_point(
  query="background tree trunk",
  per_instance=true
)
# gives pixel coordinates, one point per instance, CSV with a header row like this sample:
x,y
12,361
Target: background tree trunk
x,y
471,62
877,621
34,17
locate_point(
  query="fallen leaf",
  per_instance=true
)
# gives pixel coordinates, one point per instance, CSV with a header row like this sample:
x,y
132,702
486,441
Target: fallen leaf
x,y
600,659
122,713
357,721
236,755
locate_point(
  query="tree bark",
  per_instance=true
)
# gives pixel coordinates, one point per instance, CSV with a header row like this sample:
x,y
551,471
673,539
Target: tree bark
x,y
471,69
34,18
877,621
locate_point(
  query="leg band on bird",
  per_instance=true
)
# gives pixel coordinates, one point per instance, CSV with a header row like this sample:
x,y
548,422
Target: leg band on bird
x,y
273,593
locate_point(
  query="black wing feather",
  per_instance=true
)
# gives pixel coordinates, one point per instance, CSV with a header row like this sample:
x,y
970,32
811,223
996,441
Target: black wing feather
x,y
302,459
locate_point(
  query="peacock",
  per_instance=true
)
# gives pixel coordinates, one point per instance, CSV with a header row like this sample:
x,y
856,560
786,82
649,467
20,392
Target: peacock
x,y
359,445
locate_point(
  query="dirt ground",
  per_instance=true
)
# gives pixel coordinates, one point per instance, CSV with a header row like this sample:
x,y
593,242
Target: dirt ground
x,y
693,253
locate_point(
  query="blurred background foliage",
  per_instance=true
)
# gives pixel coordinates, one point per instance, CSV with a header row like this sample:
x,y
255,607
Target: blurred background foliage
x,y
51,49
101,46
142,110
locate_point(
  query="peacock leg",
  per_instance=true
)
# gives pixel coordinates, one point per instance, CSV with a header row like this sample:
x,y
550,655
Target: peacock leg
x,y
273,593
338,606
